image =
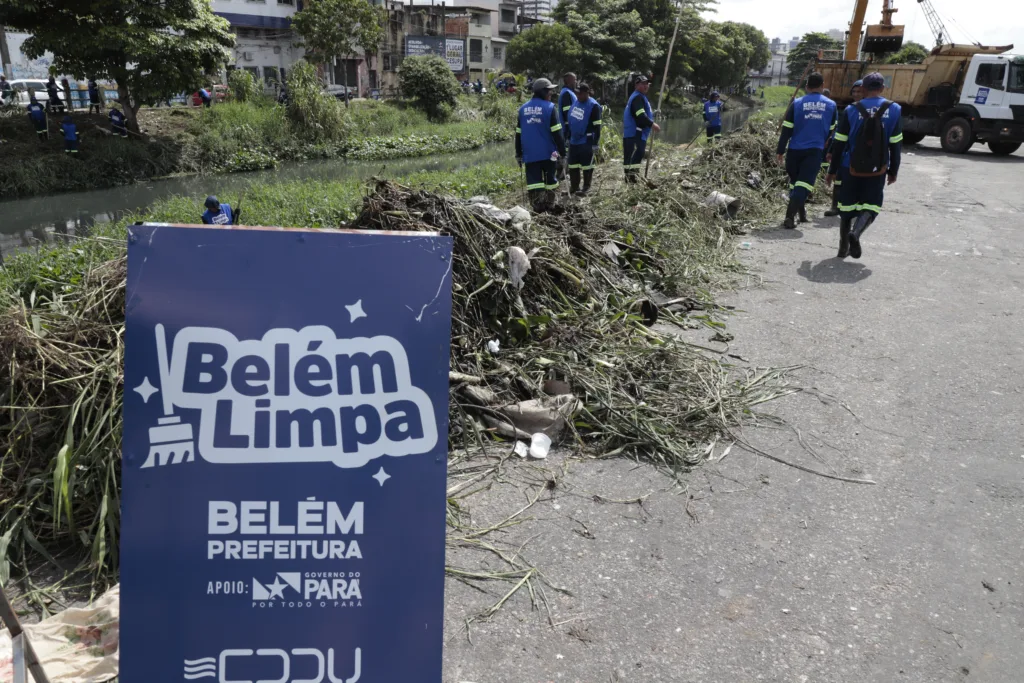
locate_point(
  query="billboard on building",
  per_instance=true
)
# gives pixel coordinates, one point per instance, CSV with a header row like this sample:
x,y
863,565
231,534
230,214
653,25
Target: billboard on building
x,y
451,49
284,455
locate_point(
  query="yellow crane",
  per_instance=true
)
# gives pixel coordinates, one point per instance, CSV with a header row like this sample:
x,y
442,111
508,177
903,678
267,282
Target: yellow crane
x,y
878,38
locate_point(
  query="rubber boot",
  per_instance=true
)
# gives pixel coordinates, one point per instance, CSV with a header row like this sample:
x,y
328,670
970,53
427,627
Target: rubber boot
x,y
844,236
791,211
537,200
803,213
588,178
834,211
864,219
574,180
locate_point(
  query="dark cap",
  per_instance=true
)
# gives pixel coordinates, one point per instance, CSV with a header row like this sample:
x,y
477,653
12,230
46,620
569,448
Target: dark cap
x,y
641,79
212,203
874,81
583,87
715,93
858,84
542,84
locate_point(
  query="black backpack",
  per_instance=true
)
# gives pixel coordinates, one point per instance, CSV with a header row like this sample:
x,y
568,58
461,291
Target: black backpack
x,y
869,156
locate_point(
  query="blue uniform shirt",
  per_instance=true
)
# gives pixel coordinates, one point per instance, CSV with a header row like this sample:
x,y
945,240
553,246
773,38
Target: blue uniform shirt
x,y
70,131
566,99
891,120
36,111
222,217
811,119
116,118
580,131
713,113
637,104
535,129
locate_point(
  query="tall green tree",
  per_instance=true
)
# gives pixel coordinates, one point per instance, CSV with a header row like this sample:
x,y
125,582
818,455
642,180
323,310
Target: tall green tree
x,y
760,48
337,28
613,36
807,50
720,55
547,49
152,50
911,53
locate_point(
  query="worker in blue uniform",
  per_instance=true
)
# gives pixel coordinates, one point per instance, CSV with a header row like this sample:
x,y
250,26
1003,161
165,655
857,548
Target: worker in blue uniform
x,y
584,131
539,144
37,115
53,102
868,145
637,124
70,130
95,98
566,99
837,184
808,123
713,109
117,122
217,213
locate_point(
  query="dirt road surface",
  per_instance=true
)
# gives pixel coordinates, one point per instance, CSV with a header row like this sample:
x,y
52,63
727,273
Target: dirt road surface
x,y
913,358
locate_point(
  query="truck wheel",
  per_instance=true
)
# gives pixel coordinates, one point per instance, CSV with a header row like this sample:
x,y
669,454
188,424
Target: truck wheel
x,y
957,136
1003,149
912,138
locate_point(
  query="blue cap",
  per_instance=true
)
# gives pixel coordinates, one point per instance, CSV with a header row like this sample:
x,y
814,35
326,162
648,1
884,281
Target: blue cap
x,y
212,203
874,81
715,93
858,84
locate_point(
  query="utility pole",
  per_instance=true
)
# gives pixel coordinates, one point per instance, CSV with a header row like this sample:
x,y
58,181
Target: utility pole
x,y
5,54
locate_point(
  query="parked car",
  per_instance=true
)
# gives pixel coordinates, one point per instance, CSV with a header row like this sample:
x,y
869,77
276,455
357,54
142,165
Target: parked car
x,y
23,86
339,91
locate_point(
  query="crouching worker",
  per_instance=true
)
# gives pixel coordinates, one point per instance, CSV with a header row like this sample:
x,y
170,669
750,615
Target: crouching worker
x,y
217,213
867,148
539,143
117,124
808,124
584,121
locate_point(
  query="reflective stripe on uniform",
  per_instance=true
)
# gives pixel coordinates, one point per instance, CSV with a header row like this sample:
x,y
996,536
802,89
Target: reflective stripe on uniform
x,y
806,186
896,139
787,124
587,168
535,186
575,166
519,130
837,183
598,122
842,138
640,111
555,128
551,187
632,166
860,207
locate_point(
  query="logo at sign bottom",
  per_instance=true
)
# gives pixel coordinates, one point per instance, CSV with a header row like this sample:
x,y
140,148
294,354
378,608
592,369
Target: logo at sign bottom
x,y
217,668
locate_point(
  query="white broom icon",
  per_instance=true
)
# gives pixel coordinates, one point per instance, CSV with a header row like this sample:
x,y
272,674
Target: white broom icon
x,y
171,442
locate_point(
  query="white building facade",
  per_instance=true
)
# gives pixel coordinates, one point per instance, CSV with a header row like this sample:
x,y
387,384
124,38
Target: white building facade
x,y
264,40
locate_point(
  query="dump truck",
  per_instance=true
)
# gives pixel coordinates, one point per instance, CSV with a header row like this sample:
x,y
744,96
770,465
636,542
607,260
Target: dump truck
x,y
961,93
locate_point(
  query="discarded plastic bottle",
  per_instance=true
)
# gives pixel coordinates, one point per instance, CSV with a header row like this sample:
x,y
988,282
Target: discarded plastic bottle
x,y
746,245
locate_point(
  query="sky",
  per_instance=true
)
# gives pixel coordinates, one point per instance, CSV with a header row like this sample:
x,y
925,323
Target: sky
x,y
991,22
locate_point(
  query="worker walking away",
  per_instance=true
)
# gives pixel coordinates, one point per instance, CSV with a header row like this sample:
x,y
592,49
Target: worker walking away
x,y
67,125
539,144
637,124
217,213
54,103
584,131
868,143
95,99
37,115
809,122
566,99
713,109
117,122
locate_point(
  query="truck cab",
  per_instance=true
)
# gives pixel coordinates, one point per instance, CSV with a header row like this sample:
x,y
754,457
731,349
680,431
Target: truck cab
x,y
992,101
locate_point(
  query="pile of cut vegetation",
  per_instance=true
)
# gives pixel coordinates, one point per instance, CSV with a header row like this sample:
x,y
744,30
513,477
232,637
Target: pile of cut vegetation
x,y
552,320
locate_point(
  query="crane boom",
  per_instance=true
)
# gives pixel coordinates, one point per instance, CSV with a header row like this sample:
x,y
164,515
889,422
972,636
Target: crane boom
x,y
934,22
860,10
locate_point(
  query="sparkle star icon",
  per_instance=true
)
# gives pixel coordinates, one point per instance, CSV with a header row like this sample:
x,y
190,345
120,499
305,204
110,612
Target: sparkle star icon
x,y
355,311
277,588
146,390
381,476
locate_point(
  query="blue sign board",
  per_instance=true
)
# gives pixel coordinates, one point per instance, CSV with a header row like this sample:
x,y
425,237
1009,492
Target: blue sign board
x,y
284,455
982,96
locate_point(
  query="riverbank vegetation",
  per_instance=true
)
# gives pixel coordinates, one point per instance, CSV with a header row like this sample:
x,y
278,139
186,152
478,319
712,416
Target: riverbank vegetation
x,y
600,269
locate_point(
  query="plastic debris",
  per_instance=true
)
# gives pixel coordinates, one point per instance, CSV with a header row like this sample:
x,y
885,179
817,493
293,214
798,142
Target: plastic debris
x,y
540,445
521,449
492,212
746,245
725,204
611,250
754,179
493,346
518,264
520,216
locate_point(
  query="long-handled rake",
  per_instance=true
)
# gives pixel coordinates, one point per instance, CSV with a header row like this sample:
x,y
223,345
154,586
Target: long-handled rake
x,y
171,441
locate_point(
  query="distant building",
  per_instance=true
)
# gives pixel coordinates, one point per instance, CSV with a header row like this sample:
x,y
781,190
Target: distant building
x,y
837,34
793,42
21,66
775,73
263,37
538,9
779,47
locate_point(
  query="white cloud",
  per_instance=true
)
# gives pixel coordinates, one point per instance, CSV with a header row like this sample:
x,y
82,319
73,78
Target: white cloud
x,y
992,22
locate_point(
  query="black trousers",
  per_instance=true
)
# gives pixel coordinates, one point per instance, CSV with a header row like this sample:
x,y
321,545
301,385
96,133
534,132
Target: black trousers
x,y
633,150
859,193
540,175
802,167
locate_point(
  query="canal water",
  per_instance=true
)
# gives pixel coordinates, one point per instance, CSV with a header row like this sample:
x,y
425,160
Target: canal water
x,y
28,222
